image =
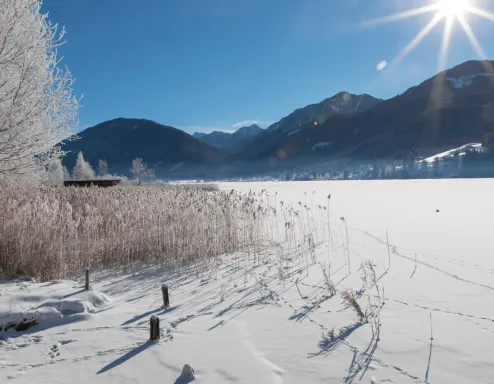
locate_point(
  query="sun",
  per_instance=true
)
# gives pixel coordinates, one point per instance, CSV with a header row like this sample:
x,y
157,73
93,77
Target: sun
x,y
449,12
452,14
453,8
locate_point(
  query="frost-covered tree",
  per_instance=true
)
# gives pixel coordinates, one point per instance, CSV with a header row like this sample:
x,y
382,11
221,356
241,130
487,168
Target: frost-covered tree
x,y
376,171
55,172
37,108
82,169
140,171
66,174
102,168
388,172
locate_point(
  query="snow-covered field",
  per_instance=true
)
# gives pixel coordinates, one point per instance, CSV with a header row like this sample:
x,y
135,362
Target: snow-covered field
x,y
267,315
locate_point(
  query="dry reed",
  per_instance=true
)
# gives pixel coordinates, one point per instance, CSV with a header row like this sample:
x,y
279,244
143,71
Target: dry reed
x,y
56,232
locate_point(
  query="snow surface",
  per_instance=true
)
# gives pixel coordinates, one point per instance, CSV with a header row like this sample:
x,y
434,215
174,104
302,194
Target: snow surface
x,y
241,323
453,151
465,81
175,167
293,132
361,97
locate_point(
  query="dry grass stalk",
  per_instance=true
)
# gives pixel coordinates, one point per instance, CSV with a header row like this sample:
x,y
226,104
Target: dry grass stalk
x,y
349,299
368,276
326,271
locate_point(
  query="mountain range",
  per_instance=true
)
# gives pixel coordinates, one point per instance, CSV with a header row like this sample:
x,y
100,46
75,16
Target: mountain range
x,y
453,108
289,129
231,142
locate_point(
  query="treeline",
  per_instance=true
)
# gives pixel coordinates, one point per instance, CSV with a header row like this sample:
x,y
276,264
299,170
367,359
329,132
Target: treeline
x,y
56,173
468,161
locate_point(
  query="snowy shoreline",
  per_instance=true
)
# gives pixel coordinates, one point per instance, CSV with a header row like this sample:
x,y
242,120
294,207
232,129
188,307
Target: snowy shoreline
x,y
266,316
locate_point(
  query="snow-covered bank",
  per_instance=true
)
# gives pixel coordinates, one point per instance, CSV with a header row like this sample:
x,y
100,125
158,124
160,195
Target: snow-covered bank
x,y
267,316
46,305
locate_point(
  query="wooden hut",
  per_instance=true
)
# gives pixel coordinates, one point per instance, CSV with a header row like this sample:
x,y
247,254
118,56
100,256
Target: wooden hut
x,y
89,183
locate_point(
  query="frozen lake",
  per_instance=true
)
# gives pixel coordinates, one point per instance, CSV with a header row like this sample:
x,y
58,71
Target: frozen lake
x,y
267,316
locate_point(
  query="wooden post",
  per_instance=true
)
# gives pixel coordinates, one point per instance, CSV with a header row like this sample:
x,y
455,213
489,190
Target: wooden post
x,y
154,330
87,280
166,296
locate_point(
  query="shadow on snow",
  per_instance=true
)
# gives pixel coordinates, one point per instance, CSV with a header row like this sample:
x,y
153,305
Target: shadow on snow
x,y
129,355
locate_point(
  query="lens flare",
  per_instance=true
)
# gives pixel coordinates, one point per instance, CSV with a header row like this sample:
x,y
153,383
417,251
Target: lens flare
x,y
450,12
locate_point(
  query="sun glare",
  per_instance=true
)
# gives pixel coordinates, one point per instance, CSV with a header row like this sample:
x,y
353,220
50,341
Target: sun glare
x,y
450,12
455,8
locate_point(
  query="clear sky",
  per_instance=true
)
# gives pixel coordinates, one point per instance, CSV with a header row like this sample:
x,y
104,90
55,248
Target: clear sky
x,y
201,65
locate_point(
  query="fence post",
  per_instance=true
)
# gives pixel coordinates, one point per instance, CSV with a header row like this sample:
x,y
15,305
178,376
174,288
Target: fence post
x,y
87,279
154,330
166,296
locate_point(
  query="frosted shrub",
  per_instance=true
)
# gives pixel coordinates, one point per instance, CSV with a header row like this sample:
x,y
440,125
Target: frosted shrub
x,y
102,168
49,232
55,172
82,169
140,171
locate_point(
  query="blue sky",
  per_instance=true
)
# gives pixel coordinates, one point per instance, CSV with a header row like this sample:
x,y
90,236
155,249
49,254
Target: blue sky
x,y
201,65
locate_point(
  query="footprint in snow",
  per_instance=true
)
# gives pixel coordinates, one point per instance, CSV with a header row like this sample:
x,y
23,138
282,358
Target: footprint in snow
x,y
15,375
166,334
37,339
54,350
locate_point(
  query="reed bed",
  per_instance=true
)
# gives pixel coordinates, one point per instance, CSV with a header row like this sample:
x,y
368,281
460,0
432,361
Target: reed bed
x,y
55,232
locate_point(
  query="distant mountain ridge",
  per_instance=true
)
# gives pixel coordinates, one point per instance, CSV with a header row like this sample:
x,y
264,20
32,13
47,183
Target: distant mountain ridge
x,y
231,142
121,140
453,108
343,103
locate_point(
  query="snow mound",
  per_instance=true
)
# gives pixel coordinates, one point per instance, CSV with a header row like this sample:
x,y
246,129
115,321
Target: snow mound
x,y
465,81
83,302
45,311
186,376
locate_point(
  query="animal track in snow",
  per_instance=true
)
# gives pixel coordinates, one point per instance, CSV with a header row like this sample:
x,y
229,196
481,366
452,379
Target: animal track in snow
x,y
21,342
54,350
36,339
175,323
